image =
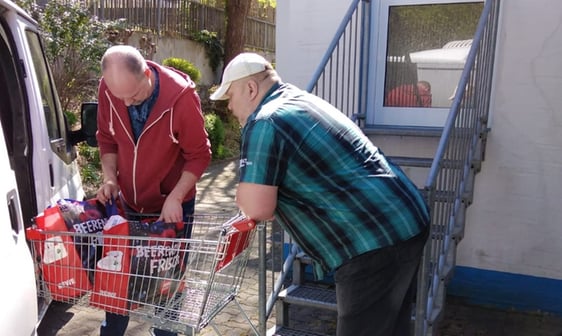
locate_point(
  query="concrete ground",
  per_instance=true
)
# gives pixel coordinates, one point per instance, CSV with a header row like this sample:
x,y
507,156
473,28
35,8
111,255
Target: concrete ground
x,y
468,320
216,192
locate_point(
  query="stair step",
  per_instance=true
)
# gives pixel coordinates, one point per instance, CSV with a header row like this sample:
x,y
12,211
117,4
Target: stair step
x,y
285,331
434,132
309,296
406,161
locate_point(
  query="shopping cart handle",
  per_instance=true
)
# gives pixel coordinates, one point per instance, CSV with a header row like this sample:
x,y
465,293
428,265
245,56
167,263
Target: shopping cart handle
x,y
244,225
32,233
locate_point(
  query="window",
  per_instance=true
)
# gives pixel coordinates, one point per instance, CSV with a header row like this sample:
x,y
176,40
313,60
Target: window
x,y
14,113
10,86
56,124
421,50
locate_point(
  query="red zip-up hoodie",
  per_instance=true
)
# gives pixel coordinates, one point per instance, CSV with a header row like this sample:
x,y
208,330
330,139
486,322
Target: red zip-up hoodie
x,y
173,140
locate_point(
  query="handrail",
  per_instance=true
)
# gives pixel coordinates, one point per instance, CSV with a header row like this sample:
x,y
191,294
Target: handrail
x,y
287,264
338,78
459,94
335,41
462,141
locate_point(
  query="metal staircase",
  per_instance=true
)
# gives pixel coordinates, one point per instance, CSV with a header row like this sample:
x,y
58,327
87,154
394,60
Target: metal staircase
x,y
303,294
447,178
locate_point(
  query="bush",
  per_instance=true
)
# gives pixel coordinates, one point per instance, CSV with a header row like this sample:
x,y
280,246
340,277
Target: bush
x,y
184,66
90,168
215,129
232,136
213,47
71,118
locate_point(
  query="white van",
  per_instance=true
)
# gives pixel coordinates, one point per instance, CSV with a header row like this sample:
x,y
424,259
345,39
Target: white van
x,y
37,161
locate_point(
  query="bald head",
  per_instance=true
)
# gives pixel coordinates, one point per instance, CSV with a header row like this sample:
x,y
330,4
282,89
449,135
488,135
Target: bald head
x,y
127,74
123,58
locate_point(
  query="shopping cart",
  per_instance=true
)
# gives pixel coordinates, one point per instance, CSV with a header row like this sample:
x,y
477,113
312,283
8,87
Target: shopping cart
x,y
181,285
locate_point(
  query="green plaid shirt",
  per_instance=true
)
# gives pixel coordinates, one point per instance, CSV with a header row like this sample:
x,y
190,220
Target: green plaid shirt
x,y
338,195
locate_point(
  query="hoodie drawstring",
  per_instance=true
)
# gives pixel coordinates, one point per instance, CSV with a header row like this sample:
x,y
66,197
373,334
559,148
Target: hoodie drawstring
x,y
112,108
174,139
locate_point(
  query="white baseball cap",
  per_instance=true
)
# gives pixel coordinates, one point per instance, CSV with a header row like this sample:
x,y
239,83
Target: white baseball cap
x,y
241,66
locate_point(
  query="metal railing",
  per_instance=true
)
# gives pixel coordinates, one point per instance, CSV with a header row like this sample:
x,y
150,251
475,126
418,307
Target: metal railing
x,y
450,181
339,78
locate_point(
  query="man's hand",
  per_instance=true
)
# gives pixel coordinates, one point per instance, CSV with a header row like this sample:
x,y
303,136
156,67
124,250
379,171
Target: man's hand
x,y
172,212
110,188
108,191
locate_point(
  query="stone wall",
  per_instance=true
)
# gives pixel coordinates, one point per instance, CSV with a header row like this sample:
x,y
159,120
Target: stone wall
x,y
180,48
189,50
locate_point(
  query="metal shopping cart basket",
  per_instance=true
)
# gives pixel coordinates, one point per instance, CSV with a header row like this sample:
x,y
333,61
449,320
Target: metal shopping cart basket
x,y
177,284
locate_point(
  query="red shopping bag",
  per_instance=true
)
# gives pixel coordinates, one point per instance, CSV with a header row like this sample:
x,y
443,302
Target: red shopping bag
x,y
86,217
156,265
65,259
139,270
111,284
61,267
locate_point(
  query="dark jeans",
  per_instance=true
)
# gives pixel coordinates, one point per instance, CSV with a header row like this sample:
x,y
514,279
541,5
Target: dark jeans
x,y
115,324
375,291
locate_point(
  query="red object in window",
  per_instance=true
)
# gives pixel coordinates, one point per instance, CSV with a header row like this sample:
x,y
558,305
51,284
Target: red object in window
x,y
409,96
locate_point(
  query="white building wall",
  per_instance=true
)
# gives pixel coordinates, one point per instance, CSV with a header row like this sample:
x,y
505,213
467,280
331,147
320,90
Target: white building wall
x,y
304,30
515,222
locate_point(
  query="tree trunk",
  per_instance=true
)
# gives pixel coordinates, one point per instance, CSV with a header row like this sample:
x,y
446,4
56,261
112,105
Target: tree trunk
x,y
235,37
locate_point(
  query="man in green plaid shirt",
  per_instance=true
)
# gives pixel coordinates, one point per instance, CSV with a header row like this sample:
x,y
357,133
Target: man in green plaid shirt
x,y
350,209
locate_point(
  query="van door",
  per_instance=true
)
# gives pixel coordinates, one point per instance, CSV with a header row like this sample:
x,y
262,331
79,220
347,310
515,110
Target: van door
x,y
18,311
38,138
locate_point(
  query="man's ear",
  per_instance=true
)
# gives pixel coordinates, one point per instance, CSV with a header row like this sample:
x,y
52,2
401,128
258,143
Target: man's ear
x,y
253,88
147,72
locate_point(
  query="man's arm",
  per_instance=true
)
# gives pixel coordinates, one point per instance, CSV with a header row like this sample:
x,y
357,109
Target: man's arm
x,y
109,188
257,201
194,141
172,210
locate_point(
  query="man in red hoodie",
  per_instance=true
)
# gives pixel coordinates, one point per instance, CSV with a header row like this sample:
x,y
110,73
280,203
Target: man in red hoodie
x,y
152,142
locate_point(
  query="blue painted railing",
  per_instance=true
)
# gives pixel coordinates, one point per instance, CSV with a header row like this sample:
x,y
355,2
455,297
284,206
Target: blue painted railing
x,y
450,181
340,77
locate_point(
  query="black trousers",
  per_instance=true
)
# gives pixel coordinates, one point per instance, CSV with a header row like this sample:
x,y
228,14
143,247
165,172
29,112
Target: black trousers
x,y
375,290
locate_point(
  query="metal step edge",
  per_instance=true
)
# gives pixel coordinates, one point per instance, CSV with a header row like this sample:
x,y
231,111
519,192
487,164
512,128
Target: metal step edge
x,y
285,331
408,161
308,296
424,162
434,132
